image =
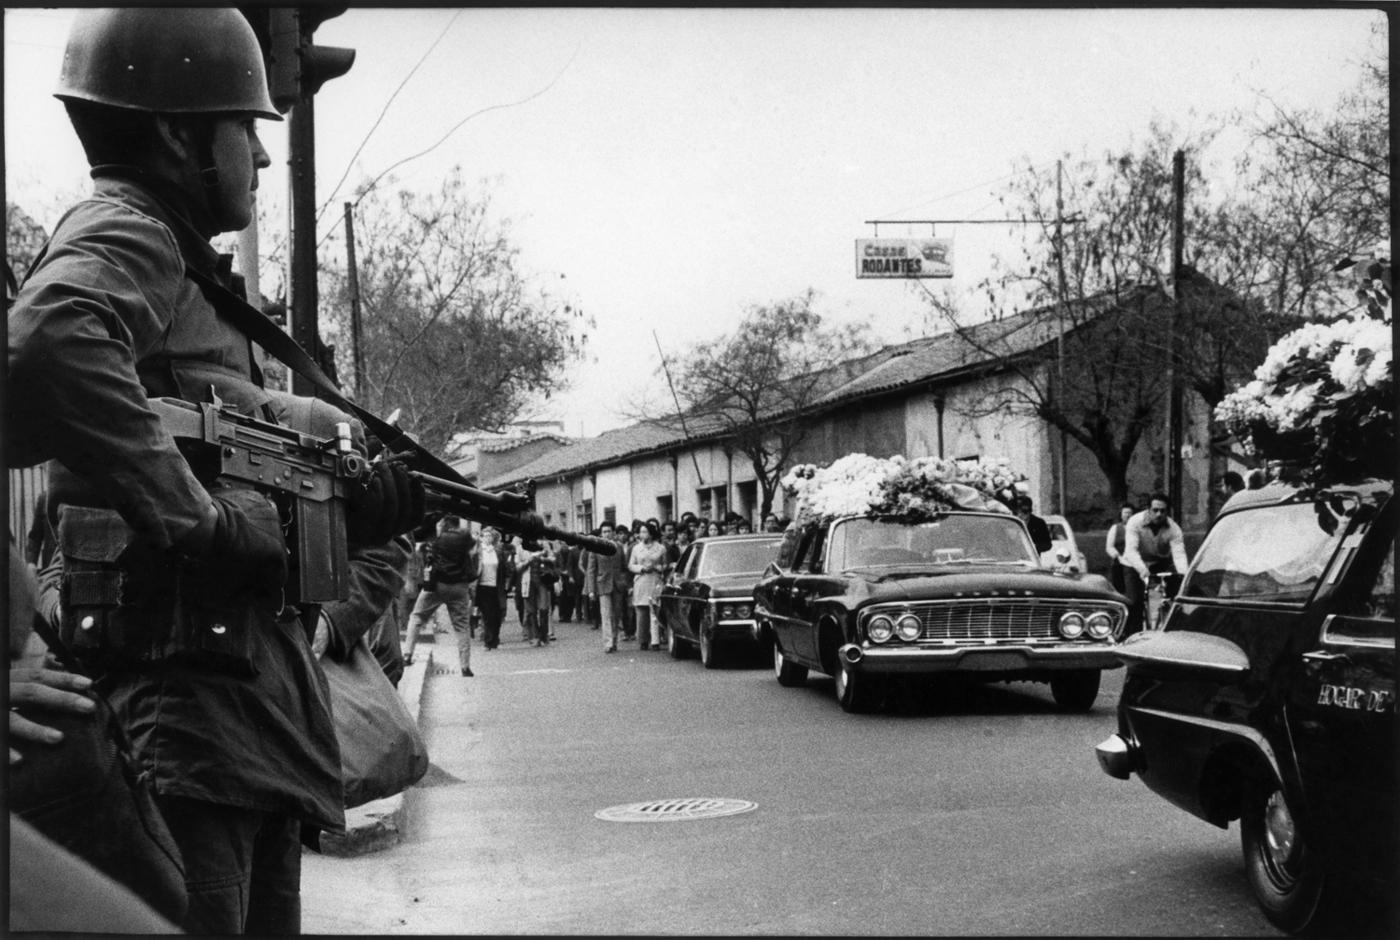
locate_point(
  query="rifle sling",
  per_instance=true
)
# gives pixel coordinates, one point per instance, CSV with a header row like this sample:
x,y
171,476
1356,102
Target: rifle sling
x,y
259,328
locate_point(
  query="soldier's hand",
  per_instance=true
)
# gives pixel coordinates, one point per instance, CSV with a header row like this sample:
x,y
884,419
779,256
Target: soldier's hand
x,y
247,545
389,503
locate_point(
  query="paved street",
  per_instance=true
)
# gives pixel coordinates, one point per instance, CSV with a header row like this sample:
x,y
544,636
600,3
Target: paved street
x,y
982,813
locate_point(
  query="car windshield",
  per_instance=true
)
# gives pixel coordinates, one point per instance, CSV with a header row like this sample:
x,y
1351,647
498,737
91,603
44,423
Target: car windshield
x,y
953,539
747,556
1273,553
1058,533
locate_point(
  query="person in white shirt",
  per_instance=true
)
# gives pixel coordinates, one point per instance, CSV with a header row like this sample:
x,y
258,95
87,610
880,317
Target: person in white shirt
x,y
1153,544
1115,542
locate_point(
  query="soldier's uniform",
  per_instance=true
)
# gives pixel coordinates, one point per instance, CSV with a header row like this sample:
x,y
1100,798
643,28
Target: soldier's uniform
x,y
240,757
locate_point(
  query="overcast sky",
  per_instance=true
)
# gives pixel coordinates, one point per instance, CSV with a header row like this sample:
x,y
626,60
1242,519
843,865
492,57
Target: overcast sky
x,y
677,166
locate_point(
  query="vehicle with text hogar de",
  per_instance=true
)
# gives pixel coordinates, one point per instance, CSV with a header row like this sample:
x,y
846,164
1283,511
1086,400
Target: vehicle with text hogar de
x,y
707,602
1268,697
935,578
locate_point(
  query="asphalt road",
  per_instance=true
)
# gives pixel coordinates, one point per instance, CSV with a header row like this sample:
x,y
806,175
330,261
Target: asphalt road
x,y
980,812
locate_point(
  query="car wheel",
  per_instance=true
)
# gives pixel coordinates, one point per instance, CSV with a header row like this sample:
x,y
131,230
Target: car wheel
x,y
677,647
711,656
857,692
788,672
1076,690
1282,870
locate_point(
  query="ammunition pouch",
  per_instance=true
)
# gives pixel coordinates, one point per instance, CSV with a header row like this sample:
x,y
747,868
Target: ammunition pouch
x,y
123,606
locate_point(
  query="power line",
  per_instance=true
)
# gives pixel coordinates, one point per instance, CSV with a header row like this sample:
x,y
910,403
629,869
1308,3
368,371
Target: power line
x,y
456,127
385,110
379,120
969,189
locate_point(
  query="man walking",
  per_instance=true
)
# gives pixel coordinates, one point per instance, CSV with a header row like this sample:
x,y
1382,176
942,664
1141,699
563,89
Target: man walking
x,y
451,569
604,579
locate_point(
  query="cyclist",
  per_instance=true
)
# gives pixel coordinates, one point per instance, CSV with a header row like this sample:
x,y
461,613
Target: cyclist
x,y
1152,545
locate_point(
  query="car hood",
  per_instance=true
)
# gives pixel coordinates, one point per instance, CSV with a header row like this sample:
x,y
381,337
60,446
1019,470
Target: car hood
x,y
977,581
740,585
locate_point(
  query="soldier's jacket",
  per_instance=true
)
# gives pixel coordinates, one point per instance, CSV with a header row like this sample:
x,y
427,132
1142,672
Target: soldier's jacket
x,y
106,319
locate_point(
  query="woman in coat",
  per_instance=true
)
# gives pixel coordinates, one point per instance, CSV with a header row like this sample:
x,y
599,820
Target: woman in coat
x,y
647,562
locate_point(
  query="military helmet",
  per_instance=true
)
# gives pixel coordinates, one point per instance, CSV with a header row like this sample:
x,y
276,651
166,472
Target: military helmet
x,y
178,61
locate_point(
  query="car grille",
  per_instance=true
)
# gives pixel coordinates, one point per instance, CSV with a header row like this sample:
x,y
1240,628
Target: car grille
x,y
991,619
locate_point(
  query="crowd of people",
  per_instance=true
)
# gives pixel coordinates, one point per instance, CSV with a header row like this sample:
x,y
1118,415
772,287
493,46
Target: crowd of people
x,y
548,581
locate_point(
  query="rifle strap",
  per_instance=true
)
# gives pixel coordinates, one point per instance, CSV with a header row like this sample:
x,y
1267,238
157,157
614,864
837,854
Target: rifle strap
x,y
259,328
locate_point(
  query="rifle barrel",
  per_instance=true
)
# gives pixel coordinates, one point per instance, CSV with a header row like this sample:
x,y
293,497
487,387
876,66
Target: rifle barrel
x,y
502,502
487,509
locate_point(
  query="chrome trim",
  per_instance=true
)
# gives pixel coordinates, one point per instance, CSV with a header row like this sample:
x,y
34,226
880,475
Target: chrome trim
x,y
1116,756
994,618
1383,643
1224,727
924,658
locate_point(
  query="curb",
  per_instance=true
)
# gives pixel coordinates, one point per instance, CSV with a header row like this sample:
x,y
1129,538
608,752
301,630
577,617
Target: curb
x,y
379,824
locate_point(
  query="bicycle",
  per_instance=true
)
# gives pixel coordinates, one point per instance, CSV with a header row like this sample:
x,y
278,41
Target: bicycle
x,y
1155,600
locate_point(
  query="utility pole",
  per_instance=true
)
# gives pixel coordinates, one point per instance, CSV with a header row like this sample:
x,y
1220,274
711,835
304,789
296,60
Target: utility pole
x,y
304,300
356,350
1058,398
1174,400
296,70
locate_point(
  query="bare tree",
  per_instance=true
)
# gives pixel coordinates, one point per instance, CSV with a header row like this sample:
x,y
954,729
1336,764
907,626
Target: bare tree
x,y
758,386
1099,290
453,333
1316,190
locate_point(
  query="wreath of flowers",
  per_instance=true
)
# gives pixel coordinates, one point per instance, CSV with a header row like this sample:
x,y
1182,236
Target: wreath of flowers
x,y
916,490
1322,404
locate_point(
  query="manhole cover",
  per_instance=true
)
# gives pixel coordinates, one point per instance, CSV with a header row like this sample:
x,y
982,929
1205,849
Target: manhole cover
x,y
675,810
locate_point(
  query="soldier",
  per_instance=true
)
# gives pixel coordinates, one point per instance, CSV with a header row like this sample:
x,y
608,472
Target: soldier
x,y
215,679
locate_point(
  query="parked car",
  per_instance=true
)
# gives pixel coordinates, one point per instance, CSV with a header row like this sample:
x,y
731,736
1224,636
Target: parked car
x,y
707,602
1268,697
1064,554
864,599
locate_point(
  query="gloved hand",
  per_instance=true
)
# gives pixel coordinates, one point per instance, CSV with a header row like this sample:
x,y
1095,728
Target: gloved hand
x,y
246,546
388,503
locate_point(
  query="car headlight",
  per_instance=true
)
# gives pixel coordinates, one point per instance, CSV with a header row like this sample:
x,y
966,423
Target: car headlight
x,y
726,612
880,628
743,611
909,628
1098,625
1072,625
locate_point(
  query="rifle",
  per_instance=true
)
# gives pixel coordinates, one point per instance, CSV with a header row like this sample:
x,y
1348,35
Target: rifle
x,y
509,512
311,479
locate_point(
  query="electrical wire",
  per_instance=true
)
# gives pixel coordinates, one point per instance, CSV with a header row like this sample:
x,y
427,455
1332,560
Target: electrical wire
x,y
456,127
930,201
349,164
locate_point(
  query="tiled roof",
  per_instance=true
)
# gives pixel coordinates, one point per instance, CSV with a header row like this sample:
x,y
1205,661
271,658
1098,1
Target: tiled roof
x,y
944,355
501,445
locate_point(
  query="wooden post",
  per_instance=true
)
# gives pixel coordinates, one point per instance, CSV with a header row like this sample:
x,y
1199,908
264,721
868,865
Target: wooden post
x,y
1174,403
305,300
357,349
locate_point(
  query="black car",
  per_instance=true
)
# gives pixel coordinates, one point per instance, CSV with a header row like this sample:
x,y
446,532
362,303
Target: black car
x,y
866,599
707,602
1269,697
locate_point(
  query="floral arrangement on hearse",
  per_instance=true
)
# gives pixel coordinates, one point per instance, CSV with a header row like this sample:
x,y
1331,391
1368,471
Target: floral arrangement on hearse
x,y
1321,407
916,490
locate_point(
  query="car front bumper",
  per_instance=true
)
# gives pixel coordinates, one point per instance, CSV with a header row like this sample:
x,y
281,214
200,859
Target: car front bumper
x,y
738,630
1000,658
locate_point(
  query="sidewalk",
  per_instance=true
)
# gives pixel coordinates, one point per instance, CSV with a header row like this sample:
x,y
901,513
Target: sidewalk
x,y
380,824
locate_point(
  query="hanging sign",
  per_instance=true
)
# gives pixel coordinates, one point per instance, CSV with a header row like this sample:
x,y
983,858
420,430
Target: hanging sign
x,y
904,257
